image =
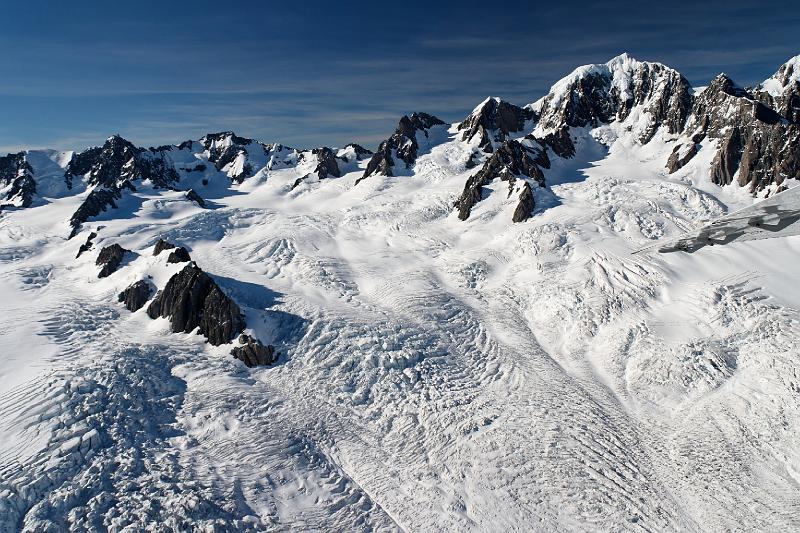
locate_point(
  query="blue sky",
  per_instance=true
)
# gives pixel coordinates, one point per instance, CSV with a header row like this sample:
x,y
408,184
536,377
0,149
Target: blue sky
x,y
326,73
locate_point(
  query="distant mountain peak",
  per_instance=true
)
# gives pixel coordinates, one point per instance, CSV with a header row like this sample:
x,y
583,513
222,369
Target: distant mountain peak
x,y
492,121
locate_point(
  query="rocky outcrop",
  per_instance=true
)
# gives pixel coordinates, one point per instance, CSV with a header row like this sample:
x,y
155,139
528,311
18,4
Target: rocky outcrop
x,y
192,195
179,255
17,185
781,91
511,161
403,145
192,300
86,246
327,165
110,165
109,259
492,122
525,204
726,162
681,155
162,245
154,165
135,295
252,353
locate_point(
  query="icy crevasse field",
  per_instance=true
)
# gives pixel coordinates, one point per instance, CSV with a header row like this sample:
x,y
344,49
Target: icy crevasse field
x,y
435,375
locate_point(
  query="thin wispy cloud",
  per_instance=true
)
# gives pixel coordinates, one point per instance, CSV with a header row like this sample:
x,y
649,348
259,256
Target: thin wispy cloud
x,y
310,75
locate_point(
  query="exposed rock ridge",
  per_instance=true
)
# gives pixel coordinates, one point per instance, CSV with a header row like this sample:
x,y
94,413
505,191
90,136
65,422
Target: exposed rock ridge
x,y
511,161
135,295
403,144
756,145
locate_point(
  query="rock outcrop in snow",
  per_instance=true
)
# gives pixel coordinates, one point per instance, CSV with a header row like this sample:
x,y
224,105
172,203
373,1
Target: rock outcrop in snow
x,y
403,144
781,91
110,259
135,295
253,353
179,255
192,300
511,161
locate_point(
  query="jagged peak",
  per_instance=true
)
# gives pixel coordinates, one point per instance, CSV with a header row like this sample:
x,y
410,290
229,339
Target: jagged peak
x,y
417,121
495,115
224,138
118,140
619,70
724,83
489,100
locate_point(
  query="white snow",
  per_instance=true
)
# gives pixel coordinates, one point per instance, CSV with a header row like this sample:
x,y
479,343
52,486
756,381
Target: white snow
x,y
784,79
436,375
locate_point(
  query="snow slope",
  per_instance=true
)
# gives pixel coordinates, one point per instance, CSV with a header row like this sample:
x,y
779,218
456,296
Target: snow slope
x,y
435,374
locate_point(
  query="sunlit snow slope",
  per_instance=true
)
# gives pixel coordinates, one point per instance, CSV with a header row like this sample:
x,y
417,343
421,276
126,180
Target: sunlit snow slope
x,y
435,374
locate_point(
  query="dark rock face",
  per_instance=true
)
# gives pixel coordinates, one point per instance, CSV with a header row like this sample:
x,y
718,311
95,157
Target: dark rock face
x,y
510,161
757,145
16,177
85,247
192,195
110,165
225,147
162,245
110,258
403,143
135,295
327,165
492,122
179,255
526,204
680,156
559,141
157,167
192,300
726,162
252,353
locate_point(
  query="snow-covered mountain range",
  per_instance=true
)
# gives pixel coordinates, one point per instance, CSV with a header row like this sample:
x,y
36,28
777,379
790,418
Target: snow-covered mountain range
x,y
448,333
